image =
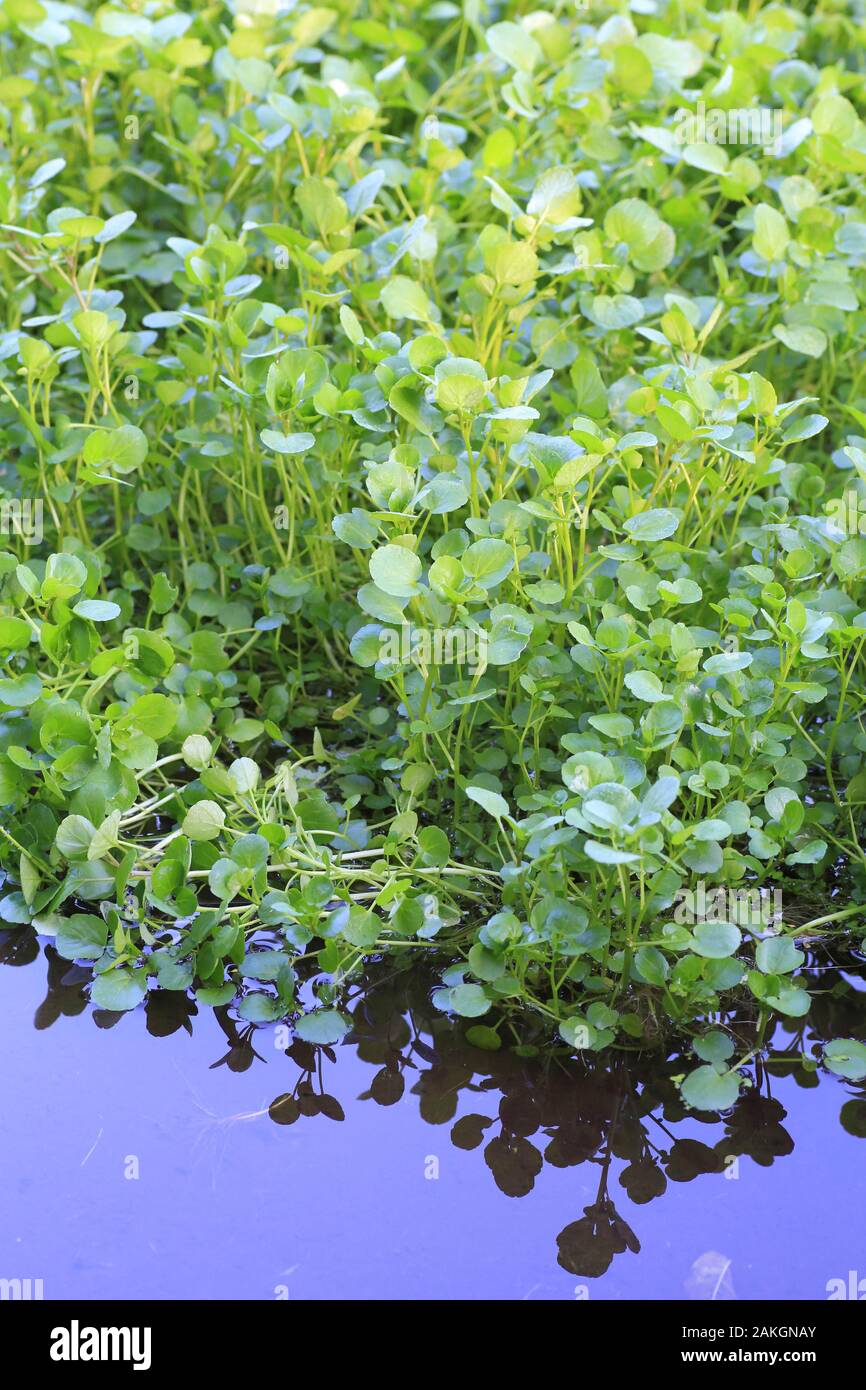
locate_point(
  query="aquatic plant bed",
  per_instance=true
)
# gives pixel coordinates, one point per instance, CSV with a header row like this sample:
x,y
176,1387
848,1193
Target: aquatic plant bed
x,y
433,485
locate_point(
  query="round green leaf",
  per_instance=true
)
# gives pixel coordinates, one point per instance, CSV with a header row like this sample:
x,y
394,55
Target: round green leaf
x,y
204,821
325,1026
716,940
705,1088
119,990
395,570
846,1057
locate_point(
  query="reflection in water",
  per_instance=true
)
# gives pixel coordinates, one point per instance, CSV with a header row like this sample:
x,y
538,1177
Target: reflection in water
x,y
621,1121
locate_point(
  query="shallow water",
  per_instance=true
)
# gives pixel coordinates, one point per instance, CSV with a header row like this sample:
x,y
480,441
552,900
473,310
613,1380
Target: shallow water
x,y
142,1158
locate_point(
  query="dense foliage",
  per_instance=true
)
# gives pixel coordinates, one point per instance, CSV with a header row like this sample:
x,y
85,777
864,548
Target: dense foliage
x,y
434,462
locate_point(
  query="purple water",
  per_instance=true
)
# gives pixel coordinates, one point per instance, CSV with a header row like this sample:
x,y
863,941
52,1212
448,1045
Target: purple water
x,y
135,1168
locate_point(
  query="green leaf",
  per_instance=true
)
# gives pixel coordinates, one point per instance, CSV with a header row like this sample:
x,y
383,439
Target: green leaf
x,y
64,576
403,298
119,990
649,240
654,525
322,207
461,385
355,528
804,339
771,235
96,610
287,443
203,821
261,1008
15,634
74,836
488,562
804,428
15,909
651,965
20,691
491,802
716,940
469,1001
153,715
514,45
714,1046
789,1000
644,685
846,1057
778,955
351,325
607,854
705,1088
395,570
324,1026
116,451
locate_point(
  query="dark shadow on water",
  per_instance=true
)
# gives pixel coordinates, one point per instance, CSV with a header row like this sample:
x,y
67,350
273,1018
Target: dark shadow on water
x,y
620,1124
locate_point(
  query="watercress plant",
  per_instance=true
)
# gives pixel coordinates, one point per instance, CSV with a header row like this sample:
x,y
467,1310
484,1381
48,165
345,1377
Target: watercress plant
x,y
434,466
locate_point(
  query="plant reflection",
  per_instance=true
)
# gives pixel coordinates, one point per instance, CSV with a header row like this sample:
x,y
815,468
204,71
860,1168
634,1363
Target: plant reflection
x,y
532,1106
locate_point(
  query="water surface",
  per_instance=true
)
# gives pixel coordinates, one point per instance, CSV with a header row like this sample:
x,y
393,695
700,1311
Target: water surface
x,y
172,1153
